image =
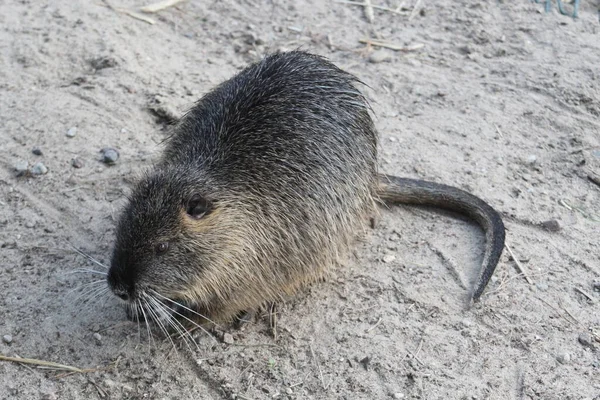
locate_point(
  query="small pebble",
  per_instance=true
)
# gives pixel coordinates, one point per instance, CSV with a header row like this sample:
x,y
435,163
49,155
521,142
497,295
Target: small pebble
x,y
365,362
103,62
29,224
531,159
98,338
563,357
596,285
77,163
109,383
289,391
227,338
585,339
39,169
37,151
398,396
388,258
551,225
72,132
379,57
109,155
21,167
7,339
541,286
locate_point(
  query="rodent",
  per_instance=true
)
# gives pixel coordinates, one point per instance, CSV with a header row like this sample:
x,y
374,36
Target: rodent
x,y
262,184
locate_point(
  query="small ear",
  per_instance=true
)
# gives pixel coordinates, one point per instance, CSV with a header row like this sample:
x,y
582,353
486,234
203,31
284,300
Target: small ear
x,y
198,206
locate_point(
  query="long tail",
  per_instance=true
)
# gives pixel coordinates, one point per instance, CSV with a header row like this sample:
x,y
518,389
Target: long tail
x,y
413,191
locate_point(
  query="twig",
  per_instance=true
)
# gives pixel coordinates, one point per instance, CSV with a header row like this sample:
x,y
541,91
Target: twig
x,y
556,310
374,326
382,8
415,355
594,178
130,13
136,15
312,352
522,269
160,5
583,292
391,46
415,9
499,131
42,363
369,14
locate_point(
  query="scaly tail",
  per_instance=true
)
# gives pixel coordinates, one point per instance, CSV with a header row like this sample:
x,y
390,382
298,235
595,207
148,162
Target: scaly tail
x,y
413,191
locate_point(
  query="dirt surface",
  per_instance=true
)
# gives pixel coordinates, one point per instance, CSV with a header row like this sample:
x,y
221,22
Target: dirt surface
x,y
502,99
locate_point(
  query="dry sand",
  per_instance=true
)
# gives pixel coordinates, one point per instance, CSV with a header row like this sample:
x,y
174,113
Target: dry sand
x,y
502,99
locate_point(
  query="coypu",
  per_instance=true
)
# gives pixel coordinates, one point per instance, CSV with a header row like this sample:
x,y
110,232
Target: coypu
x,y
263,183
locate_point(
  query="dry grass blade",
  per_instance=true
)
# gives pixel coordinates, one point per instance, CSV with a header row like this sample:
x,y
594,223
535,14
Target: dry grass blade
x,y
160,5
42,363
381,8
391,46
369,14
136,15
522,269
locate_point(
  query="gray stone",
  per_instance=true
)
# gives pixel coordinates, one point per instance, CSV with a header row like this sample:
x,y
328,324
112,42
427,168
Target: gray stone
x,y
39,169
109,155
379,56
563,357
227,338
388,258
586,339
72,132
77,163
7,339
21,167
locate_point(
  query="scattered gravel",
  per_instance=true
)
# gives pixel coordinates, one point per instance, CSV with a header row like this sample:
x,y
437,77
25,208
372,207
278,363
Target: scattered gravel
x,y
388,258
585,339
22,167
551,225
227,338
109,155
379,56
77,163
39,169
563,357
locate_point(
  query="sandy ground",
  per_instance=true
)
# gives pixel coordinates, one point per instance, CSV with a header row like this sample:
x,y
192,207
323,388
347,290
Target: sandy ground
x,y
502,99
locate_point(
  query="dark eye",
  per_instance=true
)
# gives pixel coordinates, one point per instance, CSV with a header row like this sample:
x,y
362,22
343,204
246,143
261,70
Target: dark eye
x,y
162,247
198,206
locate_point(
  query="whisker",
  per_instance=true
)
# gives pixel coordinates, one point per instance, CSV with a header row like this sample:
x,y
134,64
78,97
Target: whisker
x,y
89,257
96,295
153,312
84,270
181,330
85,286
182,306
193,322
146,321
